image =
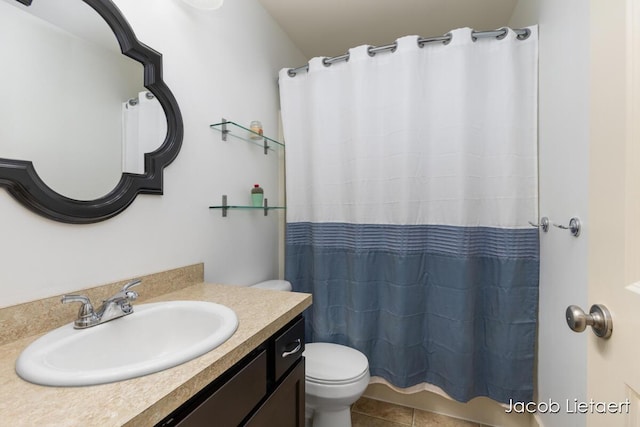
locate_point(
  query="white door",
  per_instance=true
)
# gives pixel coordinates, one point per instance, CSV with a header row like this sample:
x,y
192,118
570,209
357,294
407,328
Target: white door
x,y
614,213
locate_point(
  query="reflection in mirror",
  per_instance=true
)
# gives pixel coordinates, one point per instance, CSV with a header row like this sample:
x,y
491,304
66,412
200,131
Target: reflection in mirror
x,y
72,103
144,127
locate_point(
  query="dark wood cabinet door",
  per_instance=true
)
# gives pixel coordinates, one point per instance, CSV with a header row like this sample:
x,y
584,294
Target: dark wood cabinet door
x,y
229,405
285,407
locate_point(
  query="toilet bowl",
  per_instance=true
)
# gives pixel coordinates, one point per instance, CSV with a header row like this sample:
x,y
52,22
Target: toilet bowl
x,y
335,377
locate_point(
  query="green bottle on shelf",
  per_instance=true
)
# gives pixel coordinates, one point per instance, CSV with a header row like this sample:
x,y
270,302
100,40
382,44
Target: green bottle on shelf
x,y
257,195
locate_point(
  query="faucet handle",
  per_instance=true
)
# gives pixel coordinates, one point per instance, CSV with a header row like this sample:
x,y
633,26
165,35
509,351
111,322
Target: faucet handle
x,y
86,302
131,295
86,314
131,284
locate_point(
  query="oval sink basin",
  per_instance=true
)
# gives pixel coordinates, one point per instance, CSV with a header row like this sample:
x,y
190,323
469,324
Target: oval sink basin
x,y
154,337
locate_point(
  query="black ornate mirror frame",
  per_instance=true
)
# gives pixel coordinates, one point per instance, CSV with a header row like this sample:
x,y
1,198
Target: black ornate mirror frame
x,y
22,181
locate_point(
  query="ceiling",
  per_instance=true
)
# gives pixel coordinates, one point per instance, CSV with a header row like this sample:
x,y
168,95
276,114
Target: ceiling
x,y
331,27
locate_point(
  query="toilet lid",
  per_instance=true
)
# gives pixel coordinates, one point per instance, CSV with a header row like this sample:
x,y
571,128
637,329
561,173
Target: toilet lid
x,y
334,363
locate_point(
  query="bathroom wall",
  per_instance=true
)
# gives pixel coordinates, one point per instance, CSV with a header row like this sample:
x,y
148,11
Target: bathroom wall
x,y
220,63
564,173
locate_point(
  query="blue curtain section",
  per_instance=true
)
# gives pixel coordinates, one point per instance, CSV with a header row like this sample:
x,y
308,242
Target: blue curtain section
x,y
448,305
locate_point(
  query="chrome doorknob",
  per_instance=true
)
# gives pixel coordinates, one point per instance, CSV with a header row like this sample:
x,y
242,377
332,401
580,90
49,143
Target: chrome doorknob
x,y
599,318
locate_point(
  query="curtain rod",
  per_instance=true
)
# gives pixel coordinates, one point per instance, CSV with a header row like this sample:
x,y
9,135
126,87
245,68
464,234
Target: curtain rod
x,y
500,33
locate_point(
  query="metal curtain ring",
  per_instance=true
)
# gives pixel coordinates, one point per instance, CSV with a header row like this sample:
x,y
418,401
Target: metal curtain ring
x,y
501,33
527,33
328,61
446,39
372,50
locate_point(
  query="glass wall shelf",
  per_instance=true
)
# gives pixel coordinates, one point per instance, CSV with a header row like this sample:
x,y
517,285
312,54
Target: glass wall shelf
x,y
225,207
228,128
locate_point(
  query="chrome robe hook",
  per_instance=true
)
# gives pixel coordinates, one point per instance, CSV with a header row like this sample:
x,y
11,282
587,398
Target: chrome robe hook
x,y
544,224
574,226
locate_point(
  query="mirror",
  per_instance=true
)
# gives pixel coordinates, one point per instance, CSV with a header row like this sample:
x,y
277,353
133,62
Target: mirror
x,y
79,92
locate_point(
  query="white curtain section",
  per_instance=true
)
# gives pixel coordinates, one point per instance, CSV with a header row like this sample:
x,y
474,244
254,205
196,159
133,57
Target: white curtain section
x,y
144,129
439,134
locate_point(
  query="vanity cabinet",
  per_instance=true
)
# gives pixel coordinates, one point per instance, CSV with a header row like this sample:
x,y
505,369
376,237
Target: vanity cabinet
x,y
264,389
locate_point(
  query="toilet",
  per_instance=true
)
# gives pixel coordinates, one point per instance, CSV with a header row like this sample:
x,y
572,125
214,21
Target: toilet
x,y
335,377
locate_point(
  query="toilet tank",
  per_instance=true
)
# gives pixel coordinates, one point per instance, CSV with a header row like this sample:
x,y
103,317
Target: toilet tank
x,y
275,285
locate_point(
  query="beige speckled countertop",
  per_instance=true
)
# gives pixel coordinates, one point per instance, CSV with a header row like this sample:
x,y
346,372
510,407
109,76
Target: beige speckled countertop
x,y
146,400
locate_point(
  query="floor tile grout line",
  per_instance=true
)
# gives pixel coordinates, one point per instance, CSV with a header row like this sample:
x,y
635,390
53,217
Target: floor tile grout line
x,y
383,419
377,403
396,422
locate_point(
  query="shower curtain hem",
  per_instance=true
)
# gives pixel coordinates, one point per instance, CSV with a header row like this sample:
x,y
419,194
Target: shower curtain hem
x,y
432,388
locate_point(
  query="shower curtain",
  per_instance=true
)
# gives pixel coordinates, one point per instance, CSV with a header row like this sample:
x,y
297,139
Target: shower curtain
x,y
144,128
411,178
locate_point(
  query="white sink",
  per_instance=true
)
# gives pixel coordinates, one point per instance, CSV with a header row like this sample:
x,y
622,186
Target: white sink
x,y
154,337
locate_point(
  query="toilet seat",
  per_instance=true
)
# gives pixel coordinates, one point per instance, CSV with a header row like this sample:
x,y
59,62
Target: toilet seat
x,y
328,363
338,382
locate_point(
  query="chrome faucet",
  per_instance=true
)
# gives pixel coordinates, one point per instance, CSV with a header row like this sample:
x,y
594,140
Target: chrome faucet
x,y
117,306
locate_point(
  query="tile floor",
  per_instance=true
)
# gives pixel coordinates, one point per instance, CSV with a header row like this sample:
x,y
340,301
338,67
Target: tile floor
x,y
374,413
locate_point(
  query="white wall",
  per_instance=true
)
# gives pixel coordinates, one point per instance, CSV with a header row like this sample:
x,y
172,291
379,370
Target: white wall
x,y
218,63
564,172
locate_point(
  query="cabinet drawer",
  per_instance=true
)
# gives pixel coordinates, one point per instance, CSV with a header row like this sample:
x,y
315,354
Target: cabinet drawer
x,y
288,348
230,404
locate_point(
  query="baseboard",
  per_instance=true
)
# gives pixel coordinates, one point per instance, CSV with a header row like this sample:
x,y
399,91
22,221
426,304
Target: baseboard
x,y
479,410
536,421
